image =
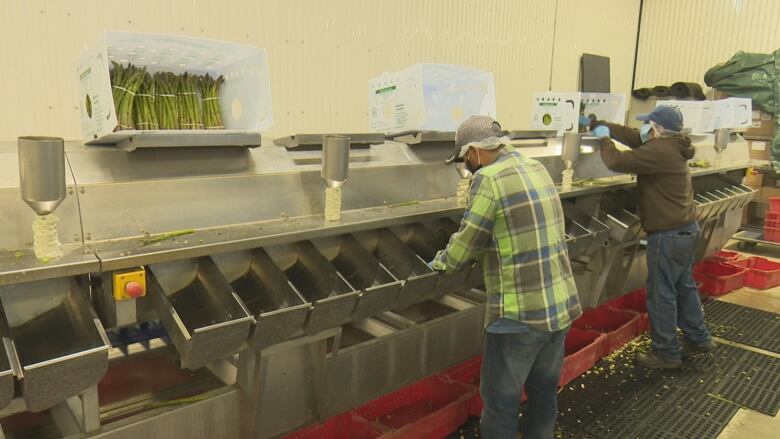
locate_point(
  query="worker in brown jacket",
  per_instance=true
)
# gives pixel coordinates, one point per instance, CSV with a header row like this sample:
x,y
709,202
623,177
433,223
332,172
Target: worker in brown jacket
x,y
659,157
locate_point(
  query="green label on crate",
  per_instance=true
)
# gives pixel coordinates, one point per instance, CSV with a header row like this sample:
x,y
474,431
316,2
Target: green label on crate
x,y
85,73
385,90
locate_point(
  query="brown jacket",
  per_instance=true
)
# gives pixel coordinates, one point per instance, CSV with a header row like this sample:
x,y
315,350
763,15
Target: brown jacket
x,y
663,177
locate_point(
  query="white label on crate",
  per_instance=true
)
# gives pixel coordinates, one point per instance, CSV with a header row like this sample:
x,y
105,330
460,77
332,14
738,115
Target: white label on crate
x,y
758,146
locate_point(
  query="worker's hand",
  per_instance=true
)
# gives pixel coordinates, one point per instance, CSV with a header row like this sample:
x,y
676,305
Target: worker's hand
x,y
588,122
601,131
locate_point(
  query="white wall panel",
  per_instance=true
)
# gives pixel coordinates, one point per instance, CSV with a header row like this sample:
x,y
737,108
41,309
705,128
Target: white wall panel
x,y
681,40
321,52
607,28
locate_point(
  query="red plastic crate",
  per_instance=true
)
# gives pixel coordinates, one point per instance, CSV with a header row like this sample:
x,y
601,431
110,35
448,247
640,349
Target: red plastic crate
x,y
618,326
762,273
635,301
468,373
345,426
774,204
772,215
772,223
431,408
582,349
772,234
724,255
718,278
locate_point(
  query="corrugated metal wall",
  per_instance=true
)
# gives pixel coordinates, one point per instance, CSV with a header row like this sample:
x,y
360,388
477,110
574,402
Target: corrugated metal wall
x,y
321,52
680,40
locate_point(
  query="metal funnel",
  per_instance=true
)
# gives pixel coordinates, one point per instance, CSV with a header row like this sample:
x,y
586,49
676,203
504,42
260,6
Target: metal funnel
x,y
721,139
42,172
335,159
570,149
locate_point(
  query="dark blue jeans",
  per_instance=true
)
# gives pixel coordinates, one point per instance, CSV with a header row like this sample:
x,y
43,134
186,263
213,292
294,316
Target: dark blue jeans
x,y
530,359
672,295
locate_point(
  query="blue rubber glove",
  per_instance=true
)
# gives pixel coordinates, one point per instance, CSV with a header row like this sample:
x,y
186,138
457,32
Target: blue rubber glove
x,y
601,131
584,121
430,265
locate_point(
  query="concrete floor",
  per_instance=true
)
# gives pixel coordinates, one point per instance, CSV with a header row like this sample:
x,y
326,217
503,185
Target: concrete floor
x,y
747,423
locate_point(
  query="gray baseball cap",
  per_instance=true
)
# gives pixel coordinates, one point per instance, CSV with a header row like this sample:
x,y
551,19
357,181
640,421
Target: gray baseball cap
x,y
480,132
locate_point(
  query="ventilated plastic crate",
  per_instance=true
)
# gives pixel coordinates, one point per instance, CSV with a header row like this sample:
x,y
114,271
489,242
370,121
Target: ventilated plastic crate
x,y
635,301
618,326
762,273
774,204
724,255
717,278
772,233
432,407
345,426
582,350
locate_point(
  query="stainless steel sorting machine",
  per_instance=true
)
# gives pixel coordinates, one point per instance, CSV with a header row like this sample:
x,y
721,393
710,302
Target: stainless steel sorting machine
x,y
202,294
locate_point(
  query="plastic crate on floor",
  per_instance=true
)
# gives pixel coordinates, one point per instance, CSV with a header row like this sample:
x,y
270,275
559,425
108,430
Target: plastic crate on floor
x,y
468,373
772,234
431,408
724,255
345,426
717,278
635,301
618,326
762,273
582,350
774,204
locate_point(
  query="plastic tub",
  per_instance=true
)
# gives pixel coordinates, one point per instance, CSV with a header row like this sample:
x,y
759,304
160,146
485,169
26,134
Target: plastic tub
x,y
618,326
635,301
345,426
432,407
772,233
582,349
724,255
774,204
762,273
717,278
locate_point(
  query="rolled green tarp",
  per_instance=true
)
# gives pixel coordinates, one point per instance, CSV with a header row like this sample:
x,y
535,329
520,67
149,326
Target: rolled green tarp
x,y
642,93
755,76
660,91
687,90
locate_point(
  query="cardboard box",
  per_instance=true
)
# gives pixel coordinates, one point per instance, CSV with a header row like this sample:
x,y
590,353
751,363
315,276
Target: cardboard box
x,y
245,97
561,111
760,149
429,97
762,126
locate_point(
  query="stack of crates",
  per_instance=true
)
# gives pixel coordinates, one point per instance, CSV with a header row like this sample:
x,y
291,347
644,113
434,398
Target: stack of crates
x,y
772,220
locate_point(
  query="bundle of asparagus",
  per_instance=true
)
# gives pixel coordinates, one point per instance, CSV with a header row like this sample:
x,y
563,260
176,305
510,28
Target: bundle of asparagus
x,y
209,96
125,83
166,100
190,111
144,109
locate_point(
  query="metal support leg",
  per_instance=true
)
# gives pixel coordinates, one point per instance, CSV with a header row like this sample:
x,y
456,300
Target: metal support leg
x,y
283,387
79,413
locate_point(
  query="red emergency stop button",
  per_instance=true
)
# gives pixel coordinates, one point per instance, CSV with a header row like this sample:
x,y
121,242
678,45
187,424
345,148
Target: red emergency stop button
x,y
134,289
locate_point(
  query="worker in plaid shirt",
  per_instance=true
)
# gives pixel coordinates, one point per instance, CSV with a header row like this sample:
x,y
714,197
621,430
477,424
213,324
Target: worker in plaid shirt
x,y
514,226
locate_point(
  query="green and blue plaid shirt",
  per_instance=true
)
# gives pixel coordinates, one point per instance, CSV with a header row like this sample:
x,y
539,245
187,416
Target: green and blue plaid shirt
x,y
514,225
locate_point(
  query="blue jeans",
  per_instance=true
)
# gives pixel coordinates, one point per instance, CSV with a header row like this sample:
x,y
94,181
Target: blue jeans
x,y
530,359
672,294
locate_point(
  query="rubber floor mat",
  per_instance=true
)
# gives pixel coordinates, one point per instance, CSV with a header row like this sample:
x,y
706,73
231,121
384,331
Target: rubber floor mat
x,y
742,324
617,398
